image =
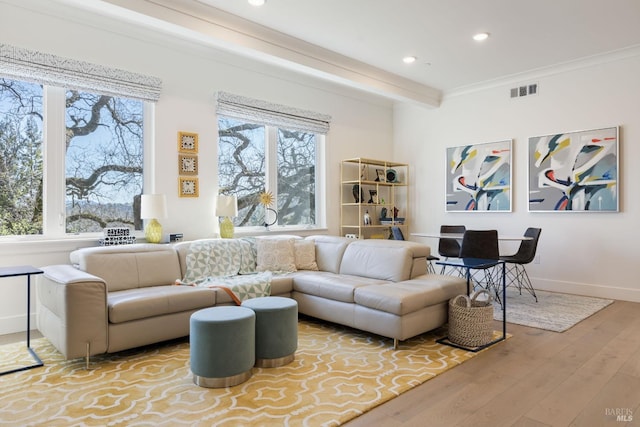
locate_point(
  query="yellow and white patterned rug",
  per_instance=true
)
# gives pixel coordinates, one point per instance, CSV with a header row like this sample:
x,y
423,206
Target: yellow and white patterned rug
x,y
338,374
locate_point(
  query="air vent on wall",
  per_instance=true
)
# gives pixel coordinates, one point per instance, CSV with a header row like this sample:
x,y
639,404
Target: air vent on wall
x,y
524,90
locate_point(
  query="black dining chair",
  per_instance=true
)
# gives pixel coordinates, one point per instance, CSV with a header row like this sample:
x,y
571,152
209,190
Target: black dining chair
x,y
482,244
430,260
516,272
449,248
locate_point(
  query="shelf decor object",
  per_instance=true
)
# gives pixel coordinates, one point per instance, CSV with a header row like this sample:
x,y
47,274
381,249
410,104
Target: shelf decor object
x,y
114,236
266,200
153,206
226,208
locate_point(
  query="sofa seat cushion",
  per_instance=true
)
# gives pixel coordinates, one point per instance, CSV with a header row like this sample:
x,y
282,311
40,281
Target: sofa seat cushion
x,y
338,287
141,303
411,295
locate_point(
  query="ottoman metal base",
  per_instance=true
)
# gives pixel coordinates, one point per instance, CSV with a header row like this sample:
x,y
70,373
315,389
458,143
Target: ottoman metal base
x,y
274,363
222,382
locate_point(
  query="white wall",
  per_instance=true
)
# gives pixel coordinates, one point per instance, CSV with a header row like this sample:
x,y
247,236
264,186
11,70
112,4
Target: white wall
x,y
585,253
361,124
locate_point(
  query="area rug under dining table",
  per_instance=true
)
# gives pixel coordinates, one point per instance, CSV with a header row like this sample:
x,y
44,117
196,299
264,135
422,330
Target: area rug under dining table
x,y
553,311
338,374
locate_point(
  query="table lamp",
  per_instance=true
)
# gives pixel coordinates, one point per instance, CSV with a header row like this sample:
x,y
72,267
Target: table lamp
x,y
226,207
153,206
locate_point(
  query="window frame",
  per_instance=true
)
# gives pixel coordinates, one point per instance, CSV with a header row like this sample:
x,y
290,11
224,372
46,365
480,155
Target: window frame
x,y
54,176
271,181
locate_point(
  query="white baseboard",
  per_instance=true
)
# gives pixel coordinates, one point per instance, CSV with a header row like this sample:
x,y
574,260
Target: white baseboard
x,y
586,289
13,324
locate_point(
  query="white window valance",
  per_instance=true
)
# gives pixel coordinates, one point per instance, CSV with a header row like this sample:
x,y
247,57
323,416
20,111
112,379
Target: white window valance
x,y
266,113
37,67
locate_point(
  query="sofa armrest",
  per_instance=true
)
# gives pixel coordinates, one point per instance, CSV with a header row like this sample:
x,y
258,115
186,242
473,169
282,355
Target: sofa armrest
x,y
72,310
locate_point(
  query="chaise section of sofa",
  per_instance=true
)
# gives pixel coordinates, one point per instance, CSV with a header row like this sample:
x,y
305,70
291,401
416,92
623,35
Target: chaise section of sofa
x,y
378,286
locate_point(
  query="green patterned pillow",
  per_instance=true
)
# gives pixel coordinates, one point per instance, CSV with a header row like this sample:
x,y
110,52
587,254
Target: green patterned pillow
x,y
249,255
213,258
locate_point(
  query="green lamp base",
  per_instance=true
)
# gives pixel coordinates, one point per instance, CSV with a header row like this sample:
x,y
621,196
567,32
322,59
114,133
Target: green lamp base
x,y
226,228
153,231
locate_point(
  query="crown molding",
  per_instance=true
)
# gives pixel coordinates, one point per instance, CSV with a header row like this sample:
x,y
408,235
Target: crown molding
x,y
539,73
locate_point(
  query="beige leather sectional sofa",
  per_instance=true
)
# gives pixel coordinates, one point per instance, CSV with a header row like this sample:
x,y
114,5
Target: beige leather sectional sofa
x,y
115,298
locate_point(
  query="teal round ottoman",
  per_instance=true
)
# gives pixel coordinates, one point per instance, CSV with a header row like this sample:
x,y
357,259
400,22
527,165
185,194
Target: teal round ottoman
x,y
276,330
222,346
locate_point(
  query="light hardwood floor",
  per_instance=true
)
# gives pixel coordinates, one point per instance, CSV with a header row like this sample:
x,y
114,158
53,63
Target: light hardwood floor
x,y
536,378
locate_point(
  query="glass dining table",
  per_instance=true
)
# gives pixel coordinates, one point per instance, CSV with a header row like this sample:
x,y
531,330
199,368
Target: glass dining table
x,y
458,236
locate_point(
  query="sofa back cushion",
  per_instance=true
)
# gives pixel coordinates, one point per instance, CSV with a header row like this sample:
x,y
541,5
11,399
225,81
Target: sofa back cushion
x,y
129,266
417,251
329,251
382,262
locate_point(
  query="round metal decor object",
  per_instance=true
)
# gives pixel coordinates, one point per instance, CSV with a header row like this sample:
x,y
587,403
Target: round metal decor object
x,y
392,175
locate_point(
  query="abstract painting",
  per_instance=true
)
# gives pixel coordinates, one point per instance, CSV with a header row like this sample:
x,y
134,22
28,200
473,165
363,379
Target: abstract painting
x,y
574,171
479,177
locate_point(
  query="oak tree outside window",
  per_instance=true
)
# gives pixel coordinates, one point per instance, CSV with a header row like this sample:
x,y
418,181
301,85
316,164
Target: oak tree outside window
x,y
273,148
247,167
92,119
103,162
20,158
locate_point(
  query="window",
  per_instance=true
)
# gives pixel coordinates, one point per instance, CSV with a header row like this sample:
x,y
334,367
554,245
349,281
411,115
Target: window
x,y
103,162
71,144
273,148
254,158
20,158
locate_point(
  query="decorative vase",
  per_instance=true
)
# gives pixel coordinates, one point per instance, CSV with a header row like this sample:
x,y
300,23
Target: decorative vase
x,y
367,218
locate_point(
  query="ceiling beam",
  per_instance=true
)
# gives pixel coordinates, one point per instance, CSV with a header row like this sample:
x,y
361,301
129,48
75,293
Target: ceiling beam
x,y
196,21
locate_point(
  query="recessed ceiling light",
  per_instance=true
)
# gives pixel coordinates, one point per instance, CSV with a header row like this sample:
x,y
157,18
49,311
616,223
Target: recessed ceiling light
x,y
257,2
409,59
481,36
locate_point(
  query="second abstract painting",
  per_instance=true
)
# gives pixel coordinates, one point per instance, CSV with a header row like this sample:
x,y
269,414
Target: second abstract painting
x,y
574,171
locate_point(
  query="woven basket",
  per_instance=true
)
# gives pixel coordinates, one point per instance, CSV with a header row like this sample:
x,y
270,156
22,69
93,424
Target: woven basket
x,y
471,320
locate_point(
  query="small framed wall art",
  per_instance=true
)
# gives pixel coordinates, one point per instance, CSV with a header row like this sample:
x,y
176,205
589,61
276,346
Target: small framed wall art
x,y
187,164
188,186
188,142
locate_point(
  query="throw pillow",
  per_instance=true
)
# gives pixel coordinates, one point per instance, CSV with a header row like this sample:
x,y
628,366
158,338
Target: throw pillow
x,y
248,262
305,254
275,255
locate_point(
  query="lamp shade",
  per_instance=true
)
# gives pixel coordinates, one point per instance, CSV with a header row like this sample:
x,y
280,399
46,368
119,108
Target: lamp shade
x,y
153,206
227,206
